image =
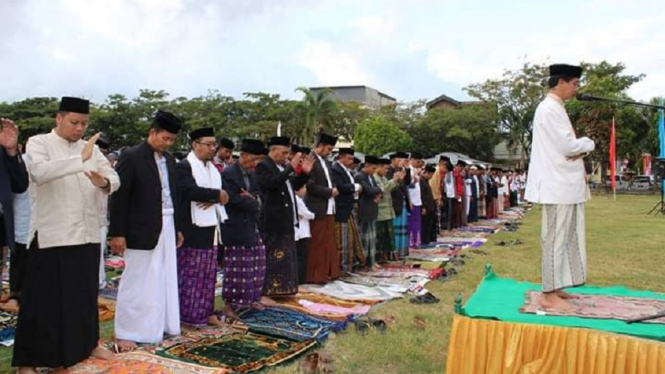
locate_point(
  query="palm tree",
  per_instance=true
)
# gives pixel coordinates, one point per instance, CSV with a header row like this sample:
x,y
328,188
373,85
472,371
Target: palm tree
x,y
316,107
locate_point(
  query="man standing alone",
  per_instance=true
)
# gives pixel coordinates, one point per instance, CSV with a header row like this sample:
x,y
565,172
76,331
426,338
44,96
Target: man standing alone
x,y
557,180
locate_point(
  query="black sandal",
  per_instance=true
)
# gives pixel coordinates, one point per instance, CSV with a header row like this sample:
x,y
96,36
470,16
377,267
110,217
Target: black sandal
x,y
362,327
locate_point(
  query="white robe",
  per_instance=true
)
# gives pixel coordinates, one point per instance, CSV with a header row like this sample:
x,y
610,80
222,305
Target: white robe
x,y
148,305
552,178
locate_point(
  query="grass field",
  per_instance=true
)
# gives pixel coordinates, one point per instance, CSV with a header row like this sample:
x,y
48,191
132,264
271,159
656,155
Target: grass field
x,y
624,245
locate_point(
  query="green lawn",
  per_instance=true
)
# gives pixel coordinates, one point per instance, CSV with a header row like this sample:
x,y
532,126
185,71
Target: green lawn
x,y
624,247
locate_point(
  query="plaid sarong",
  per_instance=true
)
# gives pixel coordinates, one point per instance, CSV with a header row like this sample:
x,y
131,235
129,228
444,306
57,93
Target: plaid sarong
x,y
401,233
368,239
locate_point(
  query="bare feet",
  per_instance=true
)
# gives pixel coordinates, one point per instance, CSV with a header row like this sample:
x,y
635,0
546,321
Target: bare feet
x,y
215,321
257,306
102,353
565,295
231,316
10,306
551,300
267,301
376,267
125,345
26,370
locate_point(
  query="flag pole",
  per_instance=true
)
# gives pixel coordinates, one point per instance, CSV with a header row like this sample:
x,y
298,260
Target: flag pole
x,y
613,156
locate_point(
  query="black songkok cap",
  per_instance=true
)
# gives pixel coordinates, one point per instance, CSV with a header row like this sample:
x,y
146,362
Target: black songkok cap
x,y
205,132
399,155
346,151
461,163
304,150
356,161
327,139
416,156
563,70
430,168
253,146
384,161
371,160
226,143
444,158
168,121
74,105
279,140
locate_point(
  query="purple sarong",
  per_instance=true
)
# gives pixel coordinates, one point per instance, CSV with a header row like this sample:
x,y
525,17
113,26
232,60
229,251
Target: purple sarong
x,y
244,274
414,226
197,273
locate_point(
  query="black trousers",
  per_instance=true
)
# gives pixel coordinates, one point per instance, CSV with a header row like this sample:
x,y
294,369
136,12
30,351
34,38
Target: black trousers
x,y
450,211
302,248
58,323
18,263
428,230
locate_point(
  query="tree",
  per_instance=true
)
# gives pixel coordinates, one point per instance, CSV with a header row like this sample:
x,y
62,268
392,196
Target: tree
x,y
593,119
344,121
516,96
317,108
470,129
33,116
377,135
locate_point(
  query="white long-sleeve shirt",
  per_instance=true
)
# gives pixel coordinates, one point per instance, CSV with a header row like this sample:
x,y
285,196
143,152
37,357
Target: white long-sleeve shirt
x,y
21,216
552,178
302,231
64,201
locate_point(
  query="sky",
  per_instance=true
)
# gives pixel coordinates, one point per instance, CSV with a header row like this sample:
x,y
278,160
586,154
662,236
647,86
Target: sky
x,y
408,49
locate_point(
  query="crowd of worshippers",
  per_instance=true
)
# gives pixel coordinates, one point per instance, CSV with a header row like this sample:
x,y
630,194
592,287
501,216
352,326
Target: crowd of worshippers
x,y
275,216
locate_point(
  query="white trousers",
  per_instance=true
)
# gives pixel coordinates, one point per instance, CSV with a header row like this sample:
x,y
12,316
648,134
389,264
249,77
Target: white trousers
x,y
564,246
148,305
103,232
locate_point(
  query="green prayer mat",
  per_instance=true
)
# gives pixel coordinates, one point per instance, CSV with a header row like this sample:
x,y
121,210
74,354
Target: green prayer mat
x,y
501,298
240,353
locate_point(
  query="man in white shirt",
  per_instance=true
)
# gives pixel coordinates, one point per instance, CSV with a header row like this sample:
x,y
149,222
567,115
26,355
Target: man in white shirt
x,y
201,201
347,237
557,179
58,321
145,230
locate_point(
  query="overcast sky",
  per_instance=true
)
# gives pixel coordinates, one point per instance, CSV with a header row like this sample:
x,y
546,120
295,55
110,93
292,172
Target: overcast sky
x,y
409,49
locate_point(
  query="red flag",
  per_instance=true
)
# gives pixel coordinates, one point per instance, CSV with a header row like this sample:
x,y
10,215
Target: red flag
x,y
613,157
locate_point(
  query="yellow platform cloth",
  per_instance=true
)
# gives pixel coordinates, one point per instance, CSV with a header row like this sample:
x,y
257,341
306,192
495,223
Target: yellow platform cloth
x,y
486,346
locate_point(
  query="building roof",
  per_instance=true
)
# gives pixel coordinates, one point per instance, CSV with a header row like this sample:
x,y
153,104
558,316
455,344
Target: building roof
x,y
346,87
442,98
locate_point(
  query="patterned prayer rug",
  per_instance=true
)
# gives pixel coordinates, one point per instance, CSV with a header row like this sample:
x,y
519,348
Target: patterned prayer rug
x,y
327,311
106,309
433,254
140,362
600,307
398,283
404,271
479,229
347,291
109,293
289,324
238,353
7,328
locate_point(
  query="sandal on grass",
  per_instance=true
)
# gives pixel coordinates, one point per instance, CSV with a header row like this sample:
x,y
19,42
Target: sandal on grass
x,y
379,325
362,326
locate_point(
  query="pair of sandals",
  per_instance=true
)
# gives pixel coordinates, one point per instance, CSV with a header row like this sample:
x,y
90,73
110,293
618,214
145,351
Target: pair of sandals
x,y
363,326
427,298
479,252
